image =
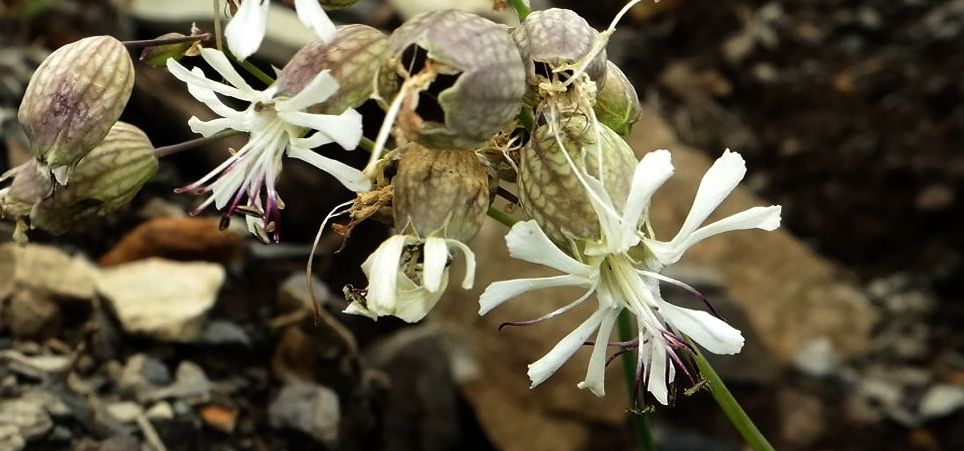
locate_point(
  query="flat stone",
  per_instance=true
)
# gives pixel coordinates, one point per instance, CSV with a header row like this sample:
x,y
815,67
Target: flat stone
x,y
941,400
190,383
47,270
28,415
308,408
125,412
142,375
162,299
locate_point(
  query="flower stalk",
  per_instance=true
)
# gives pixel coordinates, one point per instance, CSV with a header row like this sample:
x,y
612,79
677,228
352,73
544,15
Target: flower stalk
x,y
640,426
730,406
521,8
165,41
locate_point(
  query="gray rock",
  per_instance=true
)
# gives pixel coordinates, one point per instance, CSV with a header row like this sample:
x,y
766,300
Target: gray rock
x,y
817,358
220,332
10,438
124,412
163,299
161,411
309,408
190,384
141,376
293,293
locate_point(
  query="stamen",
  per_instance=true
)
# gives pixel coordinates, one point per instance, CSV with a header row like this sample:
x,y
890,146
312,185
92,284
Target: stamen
x,y
550,315
684,286
315,303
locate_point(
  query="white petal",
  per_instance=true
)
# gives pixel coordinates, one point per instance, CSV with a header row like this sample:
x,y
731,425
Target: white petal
x,y
413,302
350,177
435,257
766,218
542,369
657,372
383,273
469,280
220,63
313,16
355,308
319,90
499,292
246,29
226,187
344,129
208,128
197,77
718,182
209,98
596,374
707,330
651,172
526,241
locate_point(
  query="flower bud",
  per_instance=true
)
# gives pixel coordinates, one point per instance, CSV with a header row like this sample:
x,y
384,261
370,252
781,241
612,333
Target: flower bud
x,y
440,190
549,189
617,104
105,180
73,99
553,38
157,55
353,59
468,72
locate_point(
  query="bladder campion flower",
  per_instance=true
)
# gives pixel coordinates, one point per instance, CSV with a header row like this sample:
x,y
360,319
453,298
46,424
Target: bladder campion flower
x,y
277,125
622,268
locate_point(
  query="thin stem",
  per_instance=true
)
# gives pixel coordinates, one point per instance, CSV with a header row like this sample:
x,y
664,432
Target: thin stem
x,y
640,425
165,41
501,216
366,144
738,417
507,195
165,151
251,68
521,8
217,25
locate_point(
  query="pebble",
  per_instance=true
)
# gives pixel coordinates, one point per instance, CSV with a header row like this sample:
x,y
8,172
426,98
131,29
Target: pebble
x,y
308,408
165,300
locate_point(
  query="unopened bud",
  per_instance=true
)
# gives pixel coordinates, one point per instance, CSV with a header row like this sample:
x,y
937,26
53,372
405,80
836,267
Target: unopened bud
x,y
467,74
440,190
105,180
549,188
157,55
617,104
73,99
352,58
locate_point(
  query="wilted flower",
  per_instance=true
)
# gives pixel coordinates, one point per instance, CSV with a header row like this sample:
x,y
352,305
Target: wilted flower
x,y
246,29
276,124
622,269
440,201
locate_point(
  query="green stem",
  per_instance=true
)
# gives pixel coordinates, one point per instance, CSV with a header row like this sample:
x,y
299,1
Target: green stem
x,y
217,25
640,425
253,70
501,216
165,41
366,144
521,9
731,407
165,151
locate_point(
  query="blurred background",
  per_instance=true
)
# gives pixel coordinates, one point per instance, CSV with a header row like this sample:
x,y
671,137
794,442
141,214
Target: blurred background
x,y
154,330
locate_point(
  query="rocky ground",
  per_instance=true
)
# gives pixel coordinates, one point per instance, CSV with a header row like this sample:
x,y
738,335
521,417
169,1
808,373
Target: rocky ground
x,y
154,330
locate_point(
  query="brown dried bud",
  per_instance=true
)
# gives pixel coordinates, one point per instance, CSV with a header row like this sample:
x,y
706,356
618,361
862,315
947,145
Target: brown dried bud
x,y
617,104
103,181
73,99
468,70
440,190
353,59
549,190
554,38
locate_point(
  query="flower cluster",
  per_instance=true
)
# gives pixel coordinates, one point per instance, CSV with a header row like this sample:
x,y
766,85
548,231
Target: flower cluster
x,y
470,105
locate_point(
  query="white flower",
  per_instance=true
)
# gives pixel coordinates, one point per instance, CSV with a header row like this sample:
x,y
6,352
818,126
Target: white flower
x,y
276,125
391,290
246,29
609,270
